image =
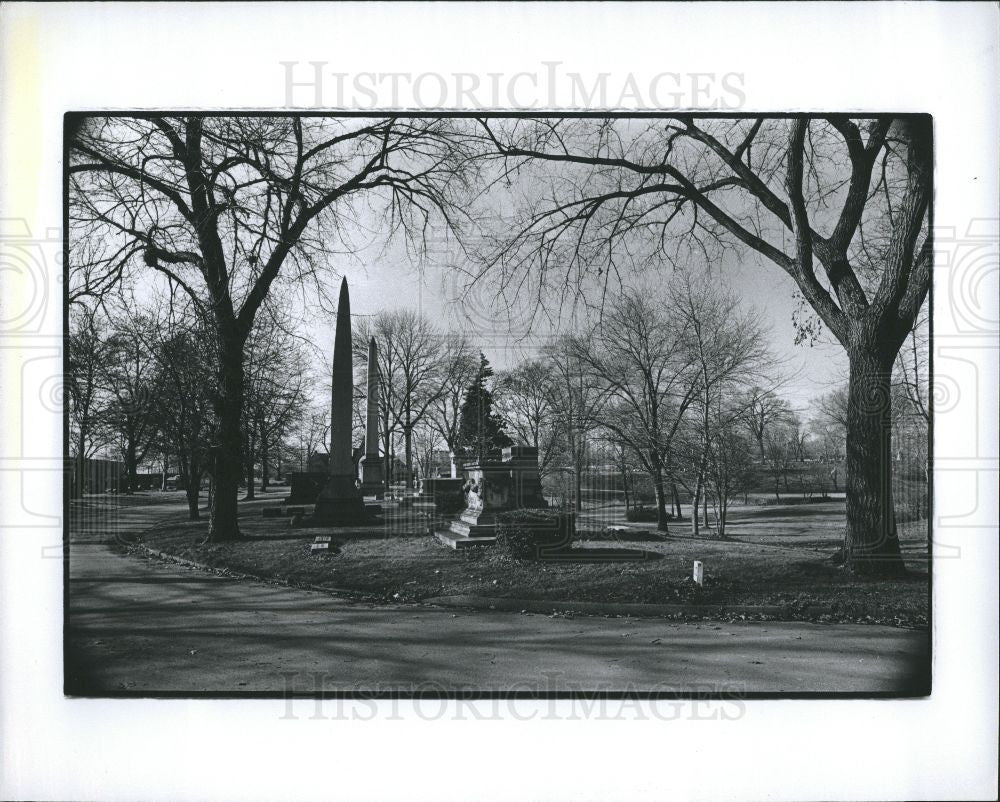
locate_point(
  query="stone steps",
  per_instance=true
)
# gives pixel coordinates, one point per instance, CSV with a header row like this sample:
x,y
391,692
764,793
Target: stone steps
x,y
457,541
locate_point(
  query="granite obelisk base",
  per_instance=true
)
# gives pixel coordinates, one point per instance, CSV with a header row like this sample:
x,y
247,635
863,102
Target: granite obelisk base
x,y
340,503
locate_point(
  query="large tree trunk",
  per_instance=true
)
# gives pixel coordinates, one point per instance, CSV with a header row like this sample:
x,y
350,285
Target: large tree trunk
x,y
192,490
132,480
871,545
228,448
659,488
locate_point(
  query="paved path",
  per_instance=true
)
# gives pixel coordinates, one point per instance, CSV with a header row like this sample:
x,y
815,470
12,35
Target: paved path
x,y
141,625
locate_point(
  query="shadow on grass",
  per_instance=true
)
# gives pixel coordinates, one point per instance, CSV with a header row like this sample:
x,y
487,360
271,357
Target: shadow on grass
x,y
628,536
598,555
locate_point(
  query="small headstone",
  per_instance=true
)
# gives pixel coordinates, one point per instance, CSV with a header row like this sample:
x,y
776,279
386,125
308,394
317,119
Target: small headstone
x,y
320,544
699,573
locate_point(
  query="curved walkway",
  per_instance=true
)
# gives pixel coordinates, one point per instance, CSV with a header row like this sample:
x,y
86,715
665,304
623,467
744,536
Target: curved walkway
x,y
138,625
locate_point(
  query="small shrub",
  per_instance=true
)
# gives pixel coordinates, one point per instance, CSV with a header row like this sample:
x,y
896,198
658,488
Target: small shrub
x,y
530,534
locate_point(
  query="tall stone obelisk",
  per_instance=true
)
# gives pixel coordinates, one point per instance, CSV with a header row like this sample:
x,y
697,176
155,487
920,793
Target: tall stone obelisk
x,y
340,502
372,475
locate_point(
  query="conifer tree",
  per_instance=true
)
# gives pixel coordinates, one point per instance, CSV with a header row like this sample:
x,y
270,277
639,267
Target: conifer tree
x,y
481,430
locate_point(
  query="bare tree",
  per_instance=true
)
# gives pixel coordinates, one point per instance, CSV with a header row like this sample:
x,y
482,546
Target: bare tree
x,y
225,207
87,353
779,453
130,375
829,422
426,445
644,372
800,437
575,398
728,469
419,366
275,389
445,414
524,398
184,409
803,193
727,351
762,407
313,433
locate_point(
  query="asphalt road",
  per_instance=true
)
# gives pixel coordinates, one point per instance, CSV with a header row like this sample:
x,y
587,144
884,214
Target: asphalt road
x,y
137,625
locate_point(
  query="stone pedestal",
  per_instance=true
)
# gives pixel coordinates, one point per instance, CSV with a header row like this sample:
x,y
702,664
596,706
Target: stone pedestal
x,y
340,503
372,473
494,487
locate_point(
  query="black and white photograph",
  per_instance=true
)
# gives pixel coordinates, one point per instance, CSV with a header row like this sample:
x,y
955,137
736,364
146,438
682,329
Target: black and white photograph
x,y
507,404
499,401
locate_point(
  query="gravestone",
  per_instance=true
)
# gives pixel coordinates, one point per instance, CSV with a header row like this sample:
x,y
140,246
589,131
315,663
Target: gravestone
x,y
493,487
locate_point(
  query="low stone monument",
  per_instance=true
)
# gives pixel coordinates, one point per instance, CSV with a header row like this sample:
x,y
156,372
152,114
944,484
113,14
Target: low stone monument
x,y
444,492
493,487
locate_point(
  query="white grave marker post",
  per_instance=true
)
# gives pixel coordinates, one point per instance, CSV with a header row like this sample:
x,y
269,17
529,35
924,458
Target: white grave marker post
x,y
699,573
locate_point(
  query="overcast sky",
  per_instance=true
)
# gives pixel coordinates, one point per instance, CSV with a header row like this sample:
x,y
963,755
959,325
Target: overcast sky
x,y
388,279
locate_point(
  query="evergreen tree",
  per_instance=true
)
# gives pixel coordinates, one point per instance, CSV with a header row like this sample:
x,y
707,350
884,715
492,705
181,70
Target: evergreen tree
x,y
481,430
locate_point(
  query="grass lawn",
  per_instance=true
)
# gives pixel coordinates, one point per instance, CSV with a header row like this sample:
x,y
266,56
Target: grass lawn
x,y
775,555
